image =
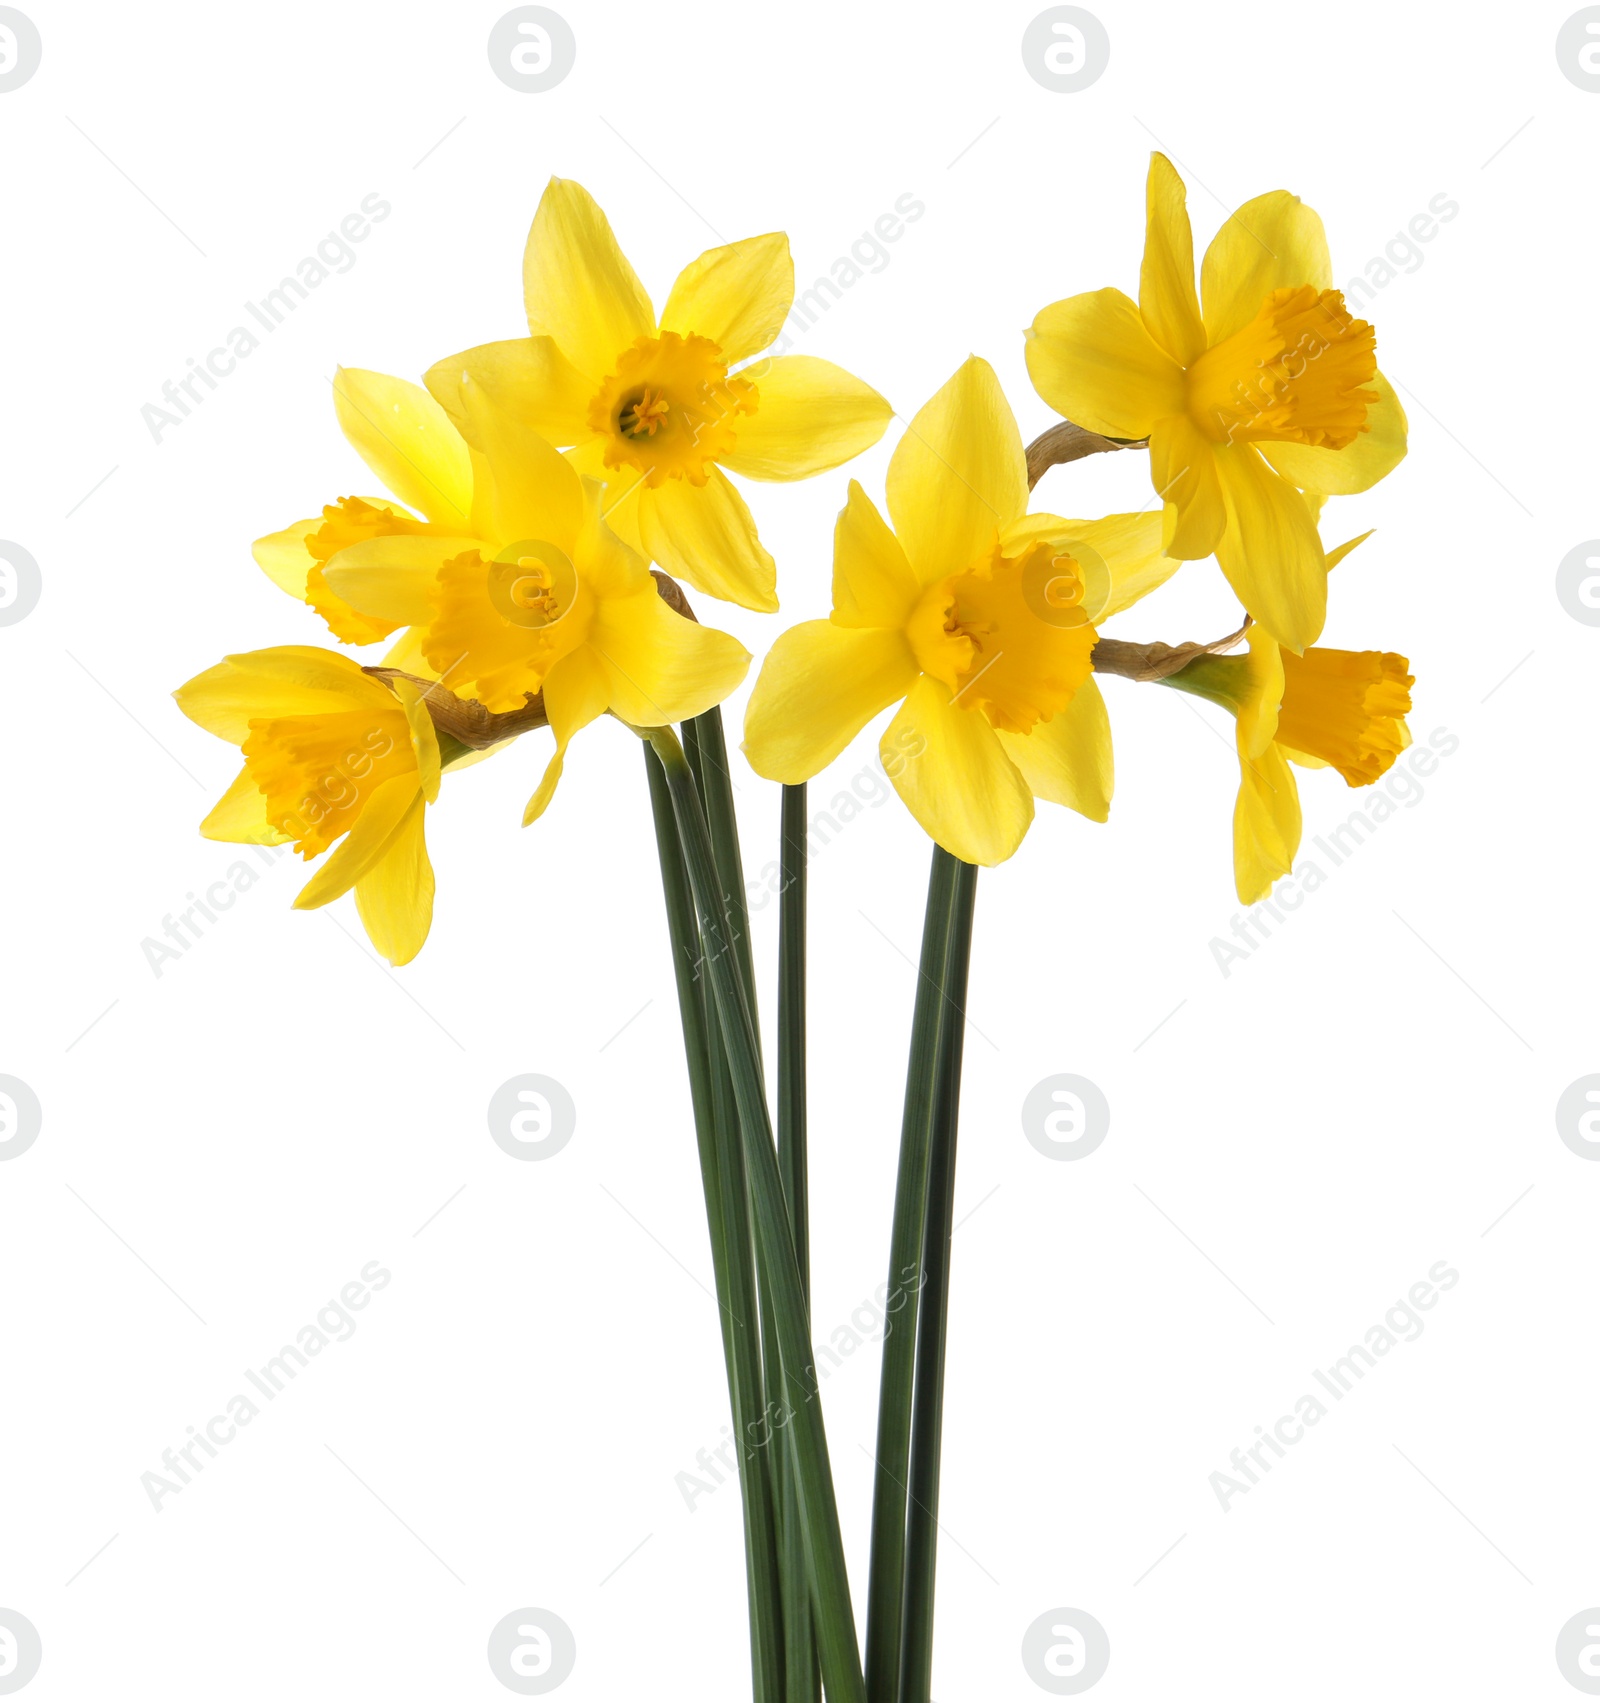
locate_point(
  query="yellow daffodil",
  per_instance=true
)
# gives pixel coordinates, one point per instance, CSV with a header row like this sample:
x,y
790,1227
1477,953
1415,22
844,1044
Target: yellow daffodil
x,y
979,616
407,439
330,753
657,409
1267,390
1340,709
542,598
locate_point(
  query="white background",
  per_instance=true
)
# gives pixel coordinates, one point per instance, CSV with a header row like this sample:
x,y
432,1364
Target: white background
x,y
1292,1145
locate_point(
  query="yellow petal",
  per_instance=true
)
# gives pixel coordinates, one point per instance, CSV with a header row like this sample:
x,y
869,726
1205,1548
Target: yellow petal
x,y
1257,711
394,899
366,842
738,296
953,774
1067,760
424,737
1167,298
240,816
1183,469
620,504
1360,465
810,416
1340,551
1274,242
705,536
819,686
577,284
392,579
285,680
526,377
407,653
284,558
873,585
1092,358
607,564
958,477
406,438
532,492
663,668
575,694
1270,550
1130,546
1266,824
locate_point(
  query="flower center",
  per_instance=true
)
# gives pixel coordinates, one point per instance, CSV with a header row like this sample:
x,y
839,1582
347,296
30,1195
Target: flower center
x,y
1346,707
352,521
646,415
1007,636
316,772
670,409
503,644
1295,374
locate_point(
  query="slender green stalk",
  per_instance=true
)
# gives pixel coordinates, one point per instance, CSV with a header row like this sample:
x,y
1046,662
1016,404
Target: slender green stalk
x,y
886,1585
801,1411
927,1416
707,748
722,1177
800,1654
757,1488
792,1157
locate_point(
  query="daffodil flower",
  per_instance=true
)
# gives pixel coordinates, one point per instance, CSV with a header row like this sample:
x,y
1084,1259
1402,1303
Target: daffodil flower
x,y
1269,390
1340,709
542,598
657,409
975,613
407,440
330,754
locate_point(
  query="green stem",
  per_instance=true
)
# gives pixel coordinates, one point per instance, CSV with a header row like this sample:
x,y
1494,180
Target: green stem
x,y
801,1411
800,1652
927,1417
707,747
722,1178
886,1585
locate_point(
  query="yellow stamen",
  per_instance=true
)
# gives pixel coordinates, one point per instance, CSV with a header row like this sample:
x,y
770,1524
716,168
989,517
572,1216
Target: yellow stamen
x,y
646,415
670,409
478,641
1295,374
1008,636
